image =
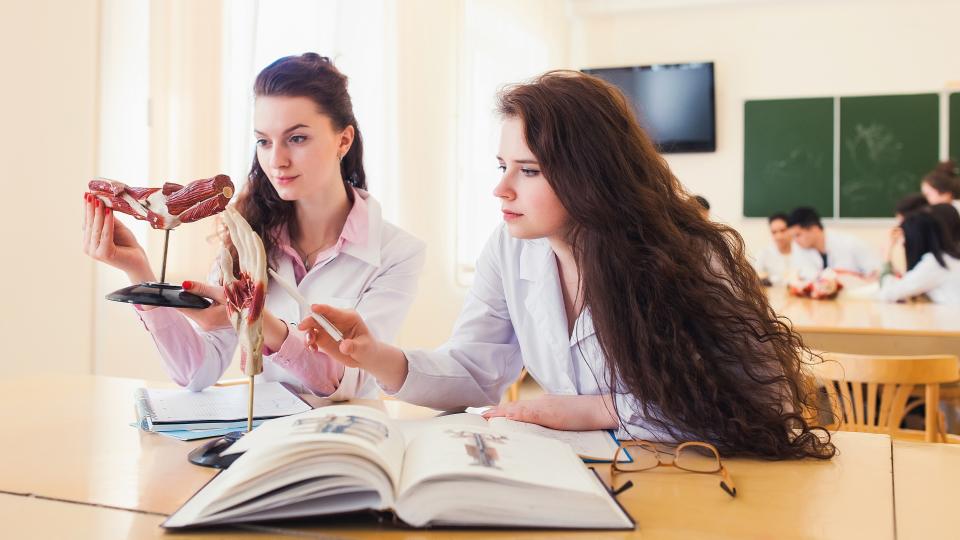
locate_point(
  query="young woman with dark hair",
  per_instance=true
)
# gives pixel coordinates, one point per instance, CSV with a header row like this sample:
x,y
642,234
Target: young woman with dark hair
x,y
942,184
949,219
306,198
933,262
628,307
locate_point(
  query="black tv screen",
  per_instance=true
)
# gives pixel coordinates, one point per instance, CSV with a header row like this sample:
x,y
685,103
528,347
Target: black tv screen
x,y
673,102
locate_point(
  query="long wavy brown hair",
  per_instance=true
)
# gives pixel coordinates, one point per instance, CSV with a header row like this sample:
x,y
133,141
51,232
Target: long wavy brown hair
x,y
679,313
315,77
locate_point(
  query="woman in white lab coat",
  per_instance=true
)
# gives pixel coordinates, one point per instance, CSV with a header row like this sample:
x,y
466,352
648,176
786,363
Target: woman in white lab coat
x,y
942,184
306,198
628,307
933,262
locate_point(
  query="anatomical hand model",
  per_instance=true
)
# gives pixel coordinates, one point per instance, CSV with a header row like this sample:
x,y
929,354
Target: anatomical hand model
x,y
245,295
168,206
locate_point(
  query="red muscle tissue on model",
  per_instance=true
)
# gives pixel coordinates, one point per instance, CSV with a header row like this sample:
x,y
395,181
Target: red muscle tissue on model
x,y
168,206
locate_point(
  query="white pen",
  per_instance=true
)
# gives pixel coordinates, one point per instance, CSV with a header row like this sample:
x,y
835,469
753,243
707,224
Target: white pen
x,y
292,291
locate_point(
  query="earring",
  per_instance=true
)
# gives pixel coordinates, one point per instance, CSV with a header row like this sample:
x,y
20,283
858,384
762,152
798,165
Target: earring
x,y
339,156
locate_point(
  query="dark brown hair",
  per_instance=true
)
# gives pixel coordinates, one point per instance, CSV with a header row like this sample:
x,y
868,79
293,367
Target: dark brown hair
x,y
315,77
944,178
923,233
679,313
909,204
949,219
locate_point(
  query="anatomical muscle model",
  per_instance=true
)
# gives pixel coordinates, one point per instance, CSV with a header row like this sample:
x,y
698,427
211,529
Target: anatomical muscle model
x,y
168,206
245,292
165,208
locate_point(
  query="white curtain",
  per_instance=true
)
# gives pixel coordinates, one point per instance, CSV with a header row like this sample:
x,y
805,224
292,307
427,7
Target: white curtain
x,y
503,42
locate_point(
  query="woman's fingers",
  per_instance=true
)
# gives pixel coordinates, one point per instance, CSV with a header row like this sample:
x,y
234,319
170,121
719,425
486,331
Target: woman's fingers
x,y
341,318
494,412
96,226
199,288
87,222
106,235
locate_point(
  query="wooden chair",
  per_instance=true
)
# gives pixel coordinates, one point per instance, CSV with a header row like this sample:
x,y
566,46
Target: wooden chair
x,y
871,393
513,391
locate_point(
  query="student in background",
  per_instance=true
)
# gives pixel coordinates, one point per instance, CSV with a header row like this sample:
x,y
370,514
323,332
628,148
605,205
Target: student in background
x,y
704,206
942,184
775,261
933,264
607,284
909,204
306,197
820,249
949,219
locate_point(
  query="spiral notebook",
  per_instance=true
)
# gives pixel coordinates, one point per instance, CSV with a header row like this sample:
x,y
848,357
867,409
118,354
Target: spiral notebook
x,y
162,409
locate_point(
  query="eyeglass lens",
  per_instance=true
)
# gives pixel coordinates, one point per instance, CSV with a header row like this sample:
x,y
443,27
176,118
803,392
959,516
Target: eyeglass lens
x,y
696,458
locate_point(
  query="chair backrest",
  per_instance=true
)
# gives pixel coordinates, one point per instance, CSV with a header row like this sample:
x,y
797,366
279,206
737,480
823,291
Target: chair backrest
x,y
871,393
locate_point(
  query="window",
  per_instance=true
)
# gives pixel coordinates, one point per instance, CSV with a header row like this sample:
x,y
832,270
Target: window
x,y
503,43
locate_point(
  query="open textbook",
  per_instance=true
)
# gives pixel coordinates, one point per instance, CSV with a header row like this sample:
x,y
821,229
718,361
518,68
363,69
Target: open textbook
x,y
597,445
349,458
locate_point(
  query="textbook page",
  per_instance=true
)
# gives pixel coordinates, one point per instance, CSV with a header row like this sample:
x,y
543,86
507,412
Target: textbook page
x,y
476,475
321,455
371,431
477,450
596,444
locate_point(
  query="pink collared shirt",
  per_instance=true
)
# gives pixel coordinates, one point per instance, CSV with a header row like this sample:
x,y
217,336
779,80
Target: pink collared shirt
x,y
381,275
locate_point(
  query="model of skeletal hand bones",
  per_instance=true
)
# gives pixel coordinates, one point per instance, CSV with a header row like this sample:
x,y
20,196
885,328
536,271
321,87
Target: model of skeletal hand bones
x,y
168,206
245,295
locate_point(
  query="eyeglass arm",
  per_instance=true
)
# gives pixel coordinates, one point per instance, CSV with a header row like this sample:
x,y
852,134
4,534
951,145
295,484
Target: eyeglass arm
x,y
727,482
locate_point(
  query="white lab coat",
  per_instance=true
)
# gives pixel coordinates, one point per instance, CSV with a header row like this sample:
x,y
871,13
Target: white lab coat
x,y
513,317
941,285
844,252
775,265
378,279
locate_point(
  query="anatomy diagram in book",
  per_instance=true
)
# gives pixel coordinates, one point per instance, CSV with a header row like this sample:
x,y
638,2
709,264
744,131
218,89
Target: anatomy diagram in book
x,y
358,426
482,453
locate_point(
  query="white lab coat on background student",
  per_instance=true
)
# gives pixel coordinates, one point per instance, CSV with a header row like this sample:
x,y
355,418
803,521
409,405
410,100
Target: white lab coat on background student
x,y
513,317
844,252
941,285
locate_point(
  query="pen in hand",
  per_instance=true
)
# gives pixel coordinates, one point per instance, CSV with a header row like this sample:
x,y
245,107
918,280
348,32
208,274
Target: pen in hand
x,y
331,330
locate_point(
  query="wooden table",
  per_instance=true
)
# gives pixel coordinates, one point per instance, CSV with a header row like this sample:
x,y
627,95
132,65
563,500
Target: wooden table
x,y
870,327
67,441
927,489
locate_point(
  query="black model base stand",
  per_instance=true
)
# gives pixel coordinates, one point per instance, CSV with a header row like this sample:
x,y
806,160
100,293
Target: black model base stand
x,y
159,294
209,455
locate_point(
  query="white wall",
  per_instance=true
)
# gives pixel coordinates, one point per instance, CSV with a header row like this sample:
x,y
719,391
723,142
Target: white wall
x,y
177,87
426,72
47,145
775,49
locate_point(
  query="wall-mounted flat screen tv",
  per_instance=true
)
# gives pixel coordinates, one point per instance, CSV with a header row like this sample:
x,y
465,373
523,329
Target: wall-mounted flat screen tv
x,y
673,102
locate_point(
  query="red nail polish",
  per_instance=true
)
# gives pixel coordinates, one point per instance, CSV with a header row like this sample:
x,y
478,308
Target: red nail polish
x,y
106,211
187,285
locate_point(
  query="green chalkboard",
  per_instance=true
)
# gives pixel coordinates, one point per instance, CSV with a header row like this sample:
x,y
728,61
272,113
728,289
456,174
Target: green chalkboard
x,y
887,144
955,126
787,155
